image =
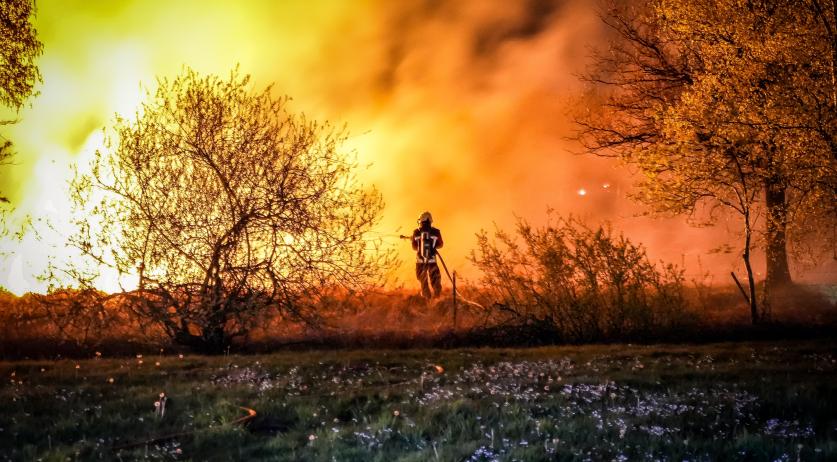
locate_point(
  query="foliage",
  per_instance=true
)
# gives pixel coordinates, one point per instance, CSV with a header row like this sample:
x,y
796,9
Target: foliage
x,y
724,105
589,284
754,401
19,48
224,205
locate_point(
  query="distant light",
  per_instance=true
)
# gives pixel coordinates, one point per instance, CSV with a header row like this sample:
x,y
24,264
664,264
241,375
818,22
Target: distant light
x,y
606,186
582,192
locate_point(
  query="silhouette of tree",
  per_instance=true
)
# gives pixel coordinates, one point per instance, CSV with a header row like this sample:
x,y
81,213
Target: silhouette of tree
x,y
18,51
19,48
225,206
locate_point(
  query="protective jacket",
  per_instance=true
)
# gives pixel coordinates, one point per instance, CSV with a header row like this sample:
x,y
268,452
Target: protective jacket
x,y
426,239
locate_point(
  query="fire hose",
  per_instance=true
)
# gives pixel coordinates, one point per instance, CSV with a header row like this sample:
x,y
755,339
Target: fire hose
x,y
451,279
159,439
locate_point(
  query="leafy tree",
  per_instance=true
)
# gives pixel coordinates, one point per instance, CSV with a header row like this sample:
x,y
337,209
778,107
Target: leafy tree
x,y
18,51
819,124
19,48
719,105
226,206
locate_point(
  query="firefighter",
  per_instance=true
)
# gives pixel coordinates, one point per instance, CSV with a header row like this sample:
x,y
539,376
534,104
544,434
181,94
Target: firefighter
x,y
426,239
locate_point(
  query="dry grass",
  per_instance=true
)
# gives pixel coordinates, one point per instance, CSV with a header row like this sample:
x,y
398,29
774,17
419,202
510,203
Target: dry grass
x,y
400,319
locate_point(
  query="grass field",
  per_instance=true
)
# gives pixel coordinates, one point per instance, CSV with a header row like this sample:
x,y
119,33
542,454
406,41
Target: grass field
x,y
729,401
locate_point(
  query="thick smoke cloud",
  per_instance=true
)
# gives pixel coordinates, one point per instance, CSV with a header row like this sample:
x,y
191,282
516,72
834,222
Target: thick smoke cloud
x,y
469,112
457,107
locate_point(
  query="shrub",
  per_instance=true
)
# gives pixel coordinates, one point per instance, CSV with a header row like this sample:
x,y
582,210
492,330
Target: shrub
x,y
584,284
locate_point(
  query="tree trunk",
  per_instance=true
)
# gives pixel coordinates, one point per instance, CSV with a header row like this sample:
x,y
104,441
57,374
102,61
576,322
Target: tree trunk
x,y
751,282
212,340
778,271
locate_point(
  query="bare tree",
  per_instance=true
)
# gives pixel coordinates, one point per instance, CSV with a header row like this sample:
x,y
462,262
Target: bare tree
x,y
225,206
19,47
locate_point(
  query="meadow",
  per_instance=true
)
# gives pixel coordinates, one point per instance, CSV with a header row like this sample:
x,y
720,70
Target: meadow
x,y
723,401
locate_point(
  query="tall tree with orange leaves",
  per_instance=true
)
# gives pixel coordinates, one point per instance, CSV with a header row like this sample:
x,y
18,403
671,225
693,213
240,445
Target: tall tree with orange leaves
x,y
723,104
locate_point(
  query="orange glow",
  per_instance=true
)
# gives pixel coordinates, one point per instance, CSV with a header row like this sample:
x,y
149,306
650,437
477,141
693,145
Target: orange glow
x,y
459,108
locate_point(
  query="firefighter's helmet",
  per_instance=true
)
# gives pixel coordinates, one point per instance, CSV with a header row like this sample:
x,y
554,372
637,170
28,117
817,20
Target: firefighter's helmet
x,y
425,217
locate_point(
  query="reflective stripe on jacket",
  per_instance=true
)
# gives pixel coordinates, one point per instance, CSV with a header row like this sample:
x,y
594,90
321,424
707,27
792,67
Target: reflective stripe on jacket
x,y
426,240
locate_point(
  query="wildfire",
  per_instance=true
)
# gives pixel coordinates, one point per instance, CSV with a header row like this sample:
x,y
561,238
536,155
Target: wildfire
x,y
425,120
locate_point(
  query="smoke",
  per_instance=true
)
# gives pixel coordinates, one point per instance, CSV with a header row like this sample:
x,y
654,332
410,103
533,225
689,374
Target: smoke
x,y
463,106
456,107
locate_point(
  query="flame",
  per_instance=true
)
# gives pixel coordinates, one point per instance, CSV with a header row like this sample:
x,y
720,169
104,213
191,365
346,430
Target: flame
x,y
459,108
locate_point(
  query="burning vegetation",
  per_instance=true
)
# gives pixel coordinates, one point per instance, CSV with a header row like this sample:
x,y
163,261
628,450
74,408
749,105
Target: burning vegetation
x,y
229,219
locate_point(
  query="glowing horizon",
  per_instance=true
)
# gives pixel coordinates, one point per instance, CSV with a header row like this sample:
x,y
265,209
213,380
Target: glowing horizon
x,y
460,109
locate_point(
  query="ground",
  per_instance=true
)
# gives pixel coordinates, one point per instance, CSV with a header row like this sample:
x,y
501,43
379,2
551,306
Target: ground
x,y
741,401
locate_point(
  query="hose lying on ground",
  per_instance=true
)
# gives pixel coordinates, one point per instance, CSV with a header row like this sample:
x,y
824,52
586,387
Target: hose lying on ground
x,y
159,439
458,294
445,266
